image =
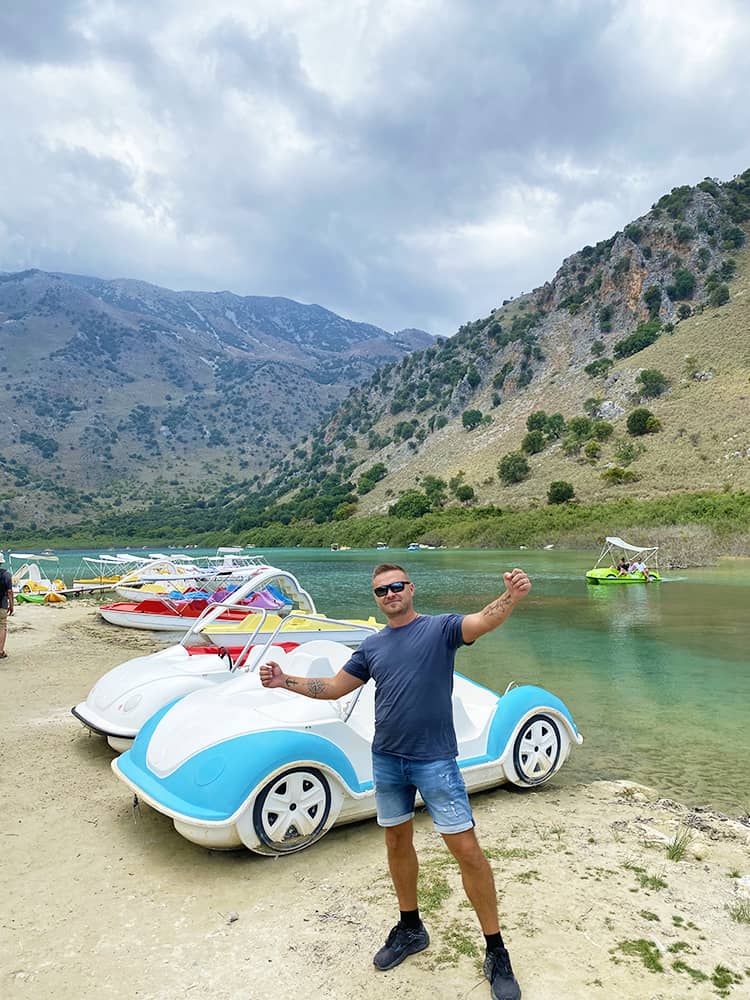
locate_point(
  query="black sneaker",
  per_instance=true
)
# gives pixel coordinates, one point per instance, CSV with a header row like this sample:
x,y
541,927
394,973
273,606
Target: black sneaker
x,y
400,943
497,969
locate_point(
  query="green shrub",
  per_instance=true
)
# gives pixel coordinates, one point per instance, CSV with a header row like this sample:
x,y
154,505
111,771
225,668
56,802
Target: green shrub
x,y
465,493
602,430
615,476
592,450
598,348
560,492
599,367
652,382
684,310
642,421
719,295
554,425
533,442
644,335
683,286
652,298
580,427
411,504
627,451
471,419
536,421
513,468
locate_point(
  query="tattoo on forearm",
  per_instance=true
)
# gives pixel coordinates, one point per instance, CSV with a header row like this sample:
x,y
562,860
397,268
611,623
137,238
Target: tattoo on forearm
x,y
316,686
290,682
500,606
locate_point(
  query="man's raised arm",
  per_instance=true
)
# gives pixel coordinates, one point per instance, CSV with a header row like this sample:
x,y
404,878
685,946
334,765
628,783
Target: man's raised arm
x,y
517,586
322,688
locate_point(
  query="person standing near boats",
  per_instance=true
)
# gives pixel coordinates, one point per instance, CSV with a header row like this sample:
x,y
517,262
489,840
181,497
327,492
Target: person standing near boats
x,y
6,604
414,750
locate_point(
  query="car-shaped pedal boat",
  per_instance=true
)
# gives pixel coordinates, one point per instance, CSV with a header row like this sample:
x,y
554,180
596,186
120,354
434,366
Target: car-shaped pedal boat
x,y
240,764
128,695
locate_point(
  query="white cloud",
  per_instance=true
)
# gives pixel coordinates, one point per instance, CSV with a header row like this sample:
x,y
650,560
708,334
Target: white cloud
x,y
404,162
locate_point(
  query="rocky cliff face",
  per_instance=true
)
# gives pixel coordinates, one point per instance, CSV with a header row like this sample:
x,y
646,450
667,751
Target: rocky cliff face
x,y
123,389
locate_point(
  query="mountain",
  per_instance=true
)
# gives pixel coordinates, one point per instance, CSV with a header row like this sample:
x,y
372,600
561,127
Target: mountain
x,y
117,391
654,318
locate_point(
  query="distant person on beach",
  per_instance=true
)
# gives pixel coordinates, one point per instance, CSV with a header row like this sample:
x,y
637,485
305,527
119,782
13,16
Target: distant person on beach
x,y
414,750
6,604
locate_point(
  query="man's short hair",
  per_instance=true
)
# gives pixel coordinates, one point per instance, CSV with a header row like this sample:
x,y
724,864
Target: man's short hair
x,y
388,568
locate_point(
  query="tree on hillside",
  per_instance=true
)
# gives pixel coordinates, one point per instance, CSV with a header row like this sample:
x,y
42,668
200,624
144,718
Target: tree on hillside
x,y
412,503
471,419
642,421
513,468
652,382
533,442
559,492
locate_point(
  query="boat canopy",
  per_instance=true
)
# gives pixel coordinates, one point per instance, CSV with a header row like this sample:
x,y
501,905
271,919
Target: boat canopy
x,y
620,544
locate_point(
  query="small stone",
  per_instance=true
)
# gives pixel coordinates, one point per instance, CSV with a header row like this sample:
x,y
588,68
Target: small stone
x,y
232,916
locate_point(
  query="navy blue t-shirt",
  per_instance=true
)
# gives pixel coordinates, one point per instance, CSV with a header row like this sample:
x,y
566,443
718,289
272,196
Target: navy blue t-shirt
x,y
412,667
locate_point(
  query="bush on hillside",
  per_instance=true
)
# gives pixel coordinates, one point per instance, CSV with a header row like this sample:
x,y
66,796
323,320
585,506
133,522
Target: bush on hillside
x,y
652,382
471,419
560,492
602,430
536,421
683,285
465,493
642,421
599,367
719,295
644,335
615,476
533,442
412,503
513,468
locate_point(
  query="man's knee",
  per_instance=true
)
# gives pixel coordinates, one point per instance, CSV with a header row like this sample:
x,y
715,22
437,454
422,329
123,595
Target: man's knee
x,y
399,838
465,848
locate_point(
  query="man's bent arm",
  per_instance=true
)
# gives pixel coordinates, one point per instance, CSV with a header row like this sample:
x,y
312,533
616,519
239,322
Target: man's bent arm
x,y
517,587
321,688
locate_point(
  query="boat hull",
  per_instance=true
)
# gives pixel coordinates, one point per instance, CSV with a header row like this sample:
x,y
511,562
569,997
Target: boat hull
x,y
608,576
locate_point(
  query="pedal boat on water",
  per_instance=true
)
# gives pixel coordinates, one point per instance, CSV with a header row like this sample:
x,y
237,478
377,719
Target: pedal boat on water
x,y
615,550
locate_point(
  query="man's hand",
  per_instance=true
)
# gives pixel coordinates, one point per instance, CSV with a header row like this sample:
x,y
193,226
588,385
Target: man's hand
x,y
271,675
517,584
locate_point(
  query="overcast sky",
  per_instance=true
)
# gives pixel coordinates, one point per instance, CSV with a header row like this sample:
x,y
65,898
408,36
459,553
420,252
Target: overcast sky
x,y
402,162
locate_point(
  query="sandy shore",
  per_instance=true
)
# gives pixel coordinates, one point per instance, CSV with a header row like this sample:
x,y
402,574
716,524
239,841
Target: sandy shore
x,y
103,901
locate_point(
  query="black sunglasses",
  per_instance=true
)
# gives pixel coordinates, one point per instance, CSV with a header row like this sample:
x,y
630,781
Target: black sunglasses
x,y
396,587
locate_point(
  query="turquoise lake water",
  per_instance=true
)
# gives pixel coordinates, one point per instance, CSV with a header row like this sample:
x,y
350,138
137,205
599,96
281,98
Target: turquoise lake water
x,y
657,678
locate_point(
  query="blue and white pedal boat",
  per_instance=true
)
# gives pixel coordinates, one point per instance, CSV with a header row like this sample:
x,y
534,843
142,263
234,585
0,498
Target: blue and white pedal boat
x,y
239,764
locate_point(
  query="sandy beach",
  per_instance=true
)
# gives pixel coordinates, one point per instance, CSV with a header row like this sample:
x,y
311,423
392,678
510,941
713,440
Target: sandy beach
x,y
104,900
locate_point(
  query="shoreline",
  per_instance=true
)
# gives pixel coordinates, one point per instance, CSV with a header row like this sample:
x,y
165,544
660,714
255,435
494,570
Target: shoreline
x,y
102,900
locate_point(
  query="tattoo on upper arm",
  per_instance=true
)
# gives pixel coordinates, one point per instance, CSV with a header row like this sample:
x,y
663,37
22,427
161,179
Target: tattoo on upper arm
x,y
316,686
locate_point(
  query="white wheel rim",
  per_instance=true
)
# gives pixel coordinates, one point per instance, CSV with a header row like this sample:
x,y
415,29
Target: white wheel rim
x,y
293,808
538,749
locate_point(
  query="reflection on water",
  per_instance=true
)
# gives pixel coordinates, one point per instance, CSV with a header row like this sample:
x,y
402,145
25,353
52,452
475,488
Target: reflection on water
x,y
657,677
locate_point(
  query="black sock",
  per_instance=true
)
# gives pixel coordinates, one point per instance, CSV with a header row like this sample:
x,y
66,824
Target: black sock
x,y
494,941
410,919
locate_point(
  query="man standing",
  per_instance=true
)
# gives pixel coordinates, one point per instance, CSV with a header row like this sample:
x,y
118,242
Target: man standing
x,y
414,750
6,604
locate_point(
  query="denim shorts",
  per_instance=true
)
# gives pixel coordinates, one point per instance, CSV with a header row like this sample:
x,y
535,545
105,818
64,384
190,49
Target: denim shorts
x,y
439,782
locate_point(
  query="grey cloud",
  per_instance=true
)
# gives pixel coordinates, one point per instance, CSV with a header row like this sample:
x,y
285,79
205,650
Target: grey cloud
x,y
41,30
553,116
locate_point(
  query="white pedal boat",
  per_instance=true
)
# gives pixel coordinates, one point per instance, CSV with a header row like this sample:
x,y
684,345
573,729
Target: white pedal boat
x,y
238,764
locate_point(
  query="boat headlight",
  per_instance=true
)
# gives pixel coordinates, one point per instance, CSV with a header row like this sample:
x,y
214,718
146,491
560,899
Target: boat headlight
x,y
133,701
